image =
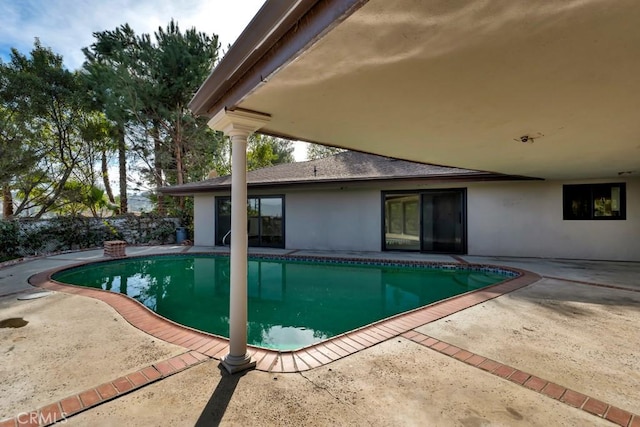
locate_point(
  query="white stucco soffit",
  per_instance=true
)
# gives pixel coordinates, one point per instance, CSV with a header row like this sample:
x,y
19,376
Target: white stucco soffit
x,y
238,122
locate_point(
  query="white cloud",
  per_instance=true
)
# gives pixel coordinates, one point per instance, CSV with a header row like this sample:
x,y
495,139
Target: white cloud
x,y
67,25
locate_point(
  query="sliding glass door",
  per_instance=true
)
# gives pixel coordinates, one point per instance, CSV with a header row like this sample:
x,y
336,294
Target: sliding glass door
x,y
265,221
442,222
427,221
223,220
271,222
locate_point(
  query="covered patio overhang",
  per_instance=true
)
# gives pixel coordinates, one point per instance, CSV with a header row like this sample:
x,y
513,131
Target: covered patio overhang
x,y
540,89
452,83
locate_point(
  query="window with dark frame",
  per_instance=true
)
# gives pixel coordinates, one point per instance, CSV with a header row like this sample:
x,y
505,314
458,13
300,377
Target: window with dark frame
x,y
594,201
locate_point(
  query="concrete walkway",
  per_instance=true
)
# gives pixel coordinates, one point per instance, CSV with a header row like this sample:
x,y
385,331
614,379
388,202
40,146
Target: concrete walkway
x,y
573,335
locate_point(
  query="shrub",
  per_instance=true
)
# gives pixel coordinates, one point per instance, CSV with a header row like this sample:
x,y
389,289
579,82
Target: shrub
x,y
9,240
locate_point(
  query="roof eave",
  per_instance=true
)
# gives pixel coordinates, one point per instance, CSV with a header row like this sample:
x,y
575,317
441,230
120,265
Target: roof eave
x,y
277,33
441,178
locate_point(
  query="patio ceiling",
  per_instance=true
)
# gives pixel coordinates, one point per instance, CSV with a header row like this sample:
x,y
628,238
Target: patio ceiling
x,y
457,84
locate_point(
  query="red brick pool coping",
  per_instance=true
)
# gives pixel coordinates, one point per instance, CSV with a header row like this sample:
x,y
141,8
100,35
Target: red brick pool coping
x,y
202,346
305,358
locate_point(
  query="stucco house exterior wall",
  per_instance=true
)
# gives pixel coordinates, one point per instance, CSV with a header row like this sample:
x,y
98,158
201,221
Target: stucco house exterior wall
x,y
204,224
334,220
323,220
522,219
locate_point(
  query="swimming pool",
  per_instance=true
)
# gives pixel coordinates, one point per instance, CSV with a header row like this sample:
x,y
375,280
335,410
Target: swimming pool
x,y
292,302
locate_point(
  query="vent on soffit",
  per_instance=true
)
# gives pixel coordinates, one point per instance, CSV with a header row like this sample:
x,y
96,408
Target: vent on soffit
x,y
528,138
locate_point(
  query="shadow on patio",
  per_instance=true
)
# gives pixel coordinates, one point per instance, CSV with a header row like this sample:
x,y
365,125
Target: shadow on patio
x,y
214,410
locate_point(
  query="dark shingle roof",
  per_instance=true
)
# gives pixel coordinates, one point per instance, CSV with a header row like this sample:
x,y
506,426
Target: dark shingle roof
x,y
348,166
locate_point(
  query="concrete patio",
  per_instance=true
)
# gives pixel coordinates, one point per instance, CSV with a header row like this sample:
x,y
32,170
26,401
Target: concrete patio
x,y
575,328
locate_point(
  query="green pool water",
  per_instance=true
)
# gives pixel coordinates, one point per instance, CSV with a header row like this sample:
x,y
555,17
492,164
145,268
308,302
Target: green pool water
x,y
292,303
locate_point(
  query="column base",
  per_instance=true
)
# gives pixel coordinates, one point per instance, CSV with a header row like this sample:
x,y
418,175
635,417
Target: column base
x,y
235,364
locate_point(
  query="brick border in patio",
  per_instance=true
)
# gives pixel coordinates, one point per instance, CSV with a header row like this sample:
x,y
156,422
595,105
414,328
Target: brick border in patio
x,y
548,388
72,405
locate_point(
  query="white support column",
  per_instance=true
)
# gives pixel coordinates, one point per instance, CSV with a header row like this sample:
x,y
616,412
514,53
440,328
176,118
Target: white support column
x,y
238,125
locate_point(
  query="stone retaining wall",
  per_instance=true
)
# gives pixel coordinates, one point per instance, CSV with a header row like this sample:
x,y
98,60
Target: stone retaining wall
x,y
27,237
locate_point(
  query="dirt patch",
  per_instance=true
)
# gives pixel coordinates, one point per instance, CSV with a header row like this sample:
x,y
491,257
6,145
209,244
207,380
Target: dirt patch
x,y
70,344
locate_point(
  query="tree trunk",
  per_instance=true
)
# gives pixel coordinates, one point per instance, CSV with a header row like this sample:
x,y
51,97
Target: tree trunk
x,y
56,194
105,177
7,202
157,165
179,162
122,162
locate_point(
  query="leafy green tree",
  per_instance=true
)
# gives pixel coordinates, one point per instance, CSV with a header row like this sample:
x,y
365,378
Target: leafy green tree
x,y
78,197
95,131
18,155
264,151
318,151
107,76
152,79
260,153
283,149
49,106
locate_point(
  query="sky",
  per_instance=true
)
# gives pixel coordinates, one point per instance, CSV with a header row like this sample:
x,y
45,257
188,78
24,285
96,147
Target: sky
x,y
66,26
